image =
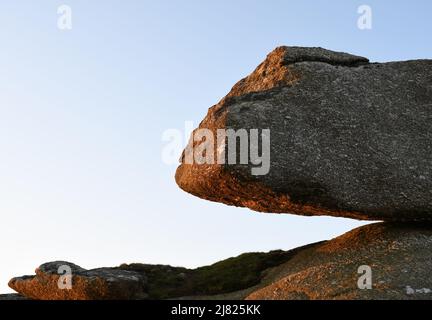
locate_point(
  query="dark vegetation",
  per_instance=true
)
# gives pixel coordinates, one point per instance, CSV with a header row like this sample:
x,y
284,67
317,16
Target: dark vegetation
x,y
233,274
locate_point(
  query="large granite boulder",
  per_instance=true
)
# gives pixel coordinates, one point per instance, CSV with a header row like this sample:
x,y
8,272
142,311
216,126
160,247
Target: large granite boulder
x,y
95,284
378,261
348,138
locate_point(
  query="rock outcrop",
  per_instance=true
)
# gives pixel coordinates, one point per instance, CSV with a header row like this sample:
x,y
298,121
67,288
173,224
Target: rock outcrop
x,y
146,281
348,138
397,257
95,284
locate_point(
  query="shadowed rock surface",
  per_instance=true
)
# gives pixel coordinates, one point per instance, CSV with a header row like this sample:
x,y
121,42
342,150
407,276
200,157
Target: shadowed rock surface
x,y
399,256
12,296
349,138
95,284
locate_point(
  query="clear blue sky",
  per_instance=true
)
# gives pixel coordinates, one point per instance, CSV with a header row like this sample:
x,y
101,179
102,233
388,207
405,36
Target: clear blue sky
x,y
82,114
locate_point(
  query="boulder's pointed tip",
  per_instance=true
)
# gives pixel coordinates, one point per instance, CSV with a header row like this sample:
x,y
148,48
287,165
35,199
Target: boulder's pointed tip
x,y
178,175
13,283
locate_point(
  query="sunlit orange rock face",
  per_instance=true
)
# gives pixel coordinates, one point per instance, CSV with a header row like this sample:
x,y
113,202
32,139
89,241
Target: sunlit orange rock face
x,y
95,284
397,257
348,138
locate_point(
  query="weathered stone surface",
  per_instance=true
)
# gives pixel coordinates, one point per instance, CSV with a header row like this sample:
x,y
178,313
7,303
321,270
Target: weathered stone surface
x,y
95,284
399,256
349,138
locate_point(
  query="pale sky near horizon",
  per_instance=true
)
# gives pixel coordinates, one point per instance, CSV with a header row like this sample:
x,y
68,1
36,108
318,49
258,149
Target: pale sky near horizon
x,y
82,114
